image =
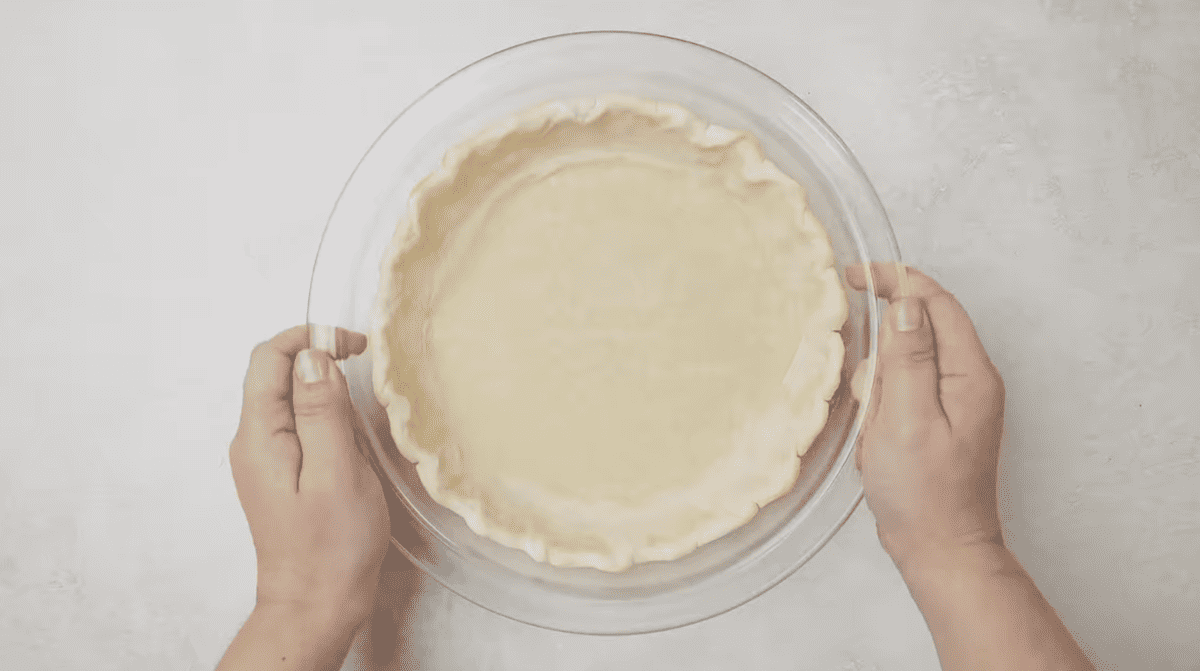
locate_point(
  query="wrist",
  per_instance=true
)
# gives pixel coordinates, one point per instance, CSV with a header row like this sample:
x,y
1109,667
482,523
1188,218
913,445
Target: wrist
x,y
325,605
942,563
985,612
319,626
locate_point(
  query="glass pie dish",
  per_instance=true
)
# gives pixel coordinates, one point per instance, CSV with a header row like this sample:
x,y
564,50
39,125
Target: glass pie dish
x,y
721,574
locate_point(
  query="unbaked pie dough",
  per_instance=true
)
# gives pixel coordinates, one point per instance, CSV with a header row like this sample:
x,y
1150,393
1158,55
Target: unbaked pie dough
x,y
606,331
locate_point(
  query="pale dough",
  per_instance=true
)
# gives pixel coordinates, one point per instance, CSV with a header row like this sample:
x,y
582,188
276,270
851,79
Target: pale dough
x,y
606,331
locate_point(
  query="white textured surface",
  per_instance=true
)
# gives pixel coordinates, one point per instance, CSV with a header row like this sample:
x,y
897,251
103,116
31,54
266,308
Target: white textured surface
x,y
165,171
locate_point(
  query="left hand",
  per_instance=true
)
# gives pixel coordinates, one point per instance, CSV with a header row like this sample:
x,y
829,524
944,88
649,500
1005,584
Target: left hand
x,y
315,506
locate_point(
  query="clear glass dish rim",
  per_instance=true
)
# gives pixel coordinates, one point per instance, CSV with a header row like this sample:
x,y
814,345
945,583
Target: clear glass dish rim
x,y
844,460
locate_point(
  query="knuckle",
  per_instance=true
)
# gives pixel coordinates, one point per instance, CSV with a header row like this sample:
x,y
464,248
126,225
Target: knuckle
x,y
325,401
950,300
990,386
909,432
258,352
239,462
313,404
237,449
920,356
258,360
905,429
1001,391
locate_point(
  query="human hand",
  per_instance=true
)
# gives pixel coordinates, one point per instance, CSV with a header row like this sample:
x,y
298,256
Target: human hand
x,y
930,445
315,506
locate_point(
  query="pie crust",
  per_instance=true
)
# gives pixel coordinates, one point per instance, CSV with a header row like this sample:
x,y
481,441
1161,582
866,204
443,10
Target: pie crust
x,y
606,331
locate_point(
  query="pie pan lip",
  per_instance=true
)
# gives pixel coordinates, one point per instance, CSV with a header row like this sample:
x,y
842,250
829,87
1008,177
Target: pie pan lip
x,y
718,576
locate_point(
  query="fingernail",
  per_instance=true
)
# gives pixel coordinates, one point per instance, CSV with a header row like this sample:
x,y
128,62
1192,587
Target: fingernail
x,y
908,314
323,338
310,368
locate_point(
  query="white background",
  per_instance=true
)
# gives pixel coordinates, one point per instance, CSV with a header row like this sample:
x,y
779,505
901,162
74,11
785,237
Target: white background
x,y
165,171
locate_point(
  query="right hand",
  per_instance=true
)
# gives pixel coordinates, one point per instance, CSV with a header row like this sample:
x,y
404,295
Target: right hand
x,y
930,445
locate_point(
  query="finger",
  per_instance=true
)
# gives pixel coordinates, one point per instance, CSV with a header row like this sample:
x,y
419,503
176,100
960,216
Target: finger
x,y
873,395
324,424
268,384
264,452
887,280
959,349
868,421
363,442
266,404
909,385
859,380
339,342
864,389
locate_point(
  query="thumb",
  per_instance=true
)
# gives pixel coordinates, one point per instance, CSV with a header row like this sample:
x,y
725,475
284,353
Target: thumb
x,y
909,373
324,421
